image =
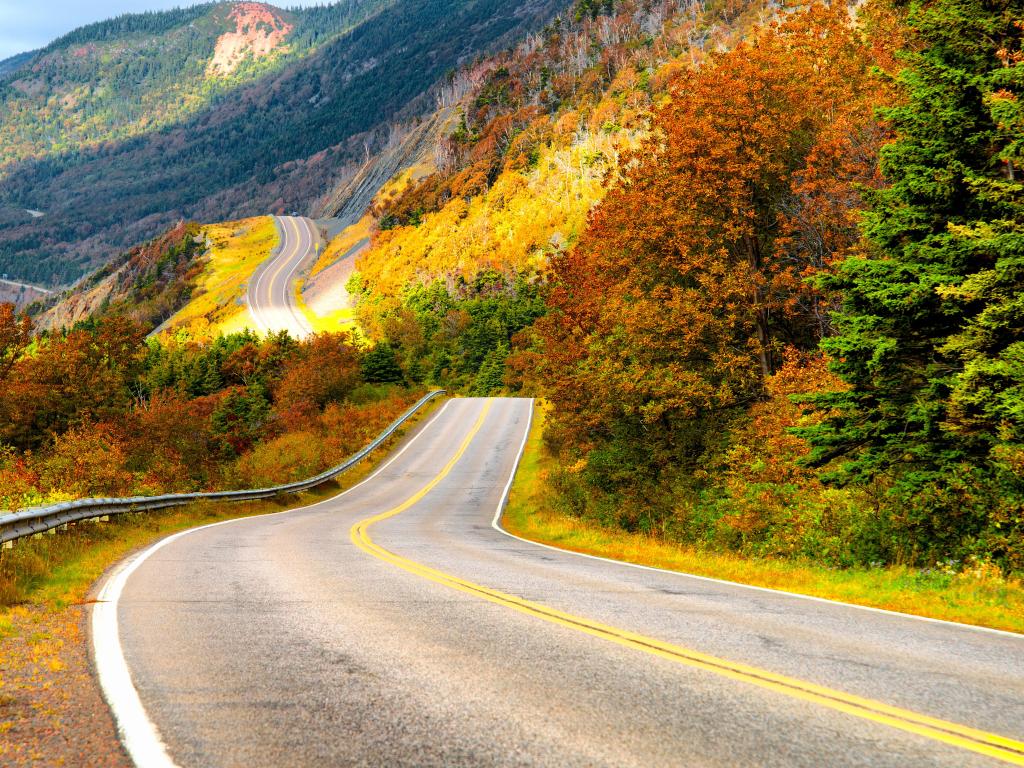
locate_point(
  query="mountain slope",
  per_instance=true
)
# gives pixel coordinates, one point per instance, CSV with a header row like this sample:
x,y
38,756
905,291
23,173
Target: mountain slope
x,y
137,73
273,143
14,63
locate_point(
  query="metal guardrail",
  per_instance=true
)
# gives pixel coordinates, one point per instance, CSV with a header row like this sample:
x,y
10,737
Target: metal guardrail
x,y
33,520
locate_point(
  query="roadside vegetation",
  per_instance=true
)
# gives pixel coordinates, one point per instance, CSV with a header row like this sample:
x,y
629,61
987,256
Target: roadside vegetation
x,y
980,594
783,329
57,569
217,304
99,410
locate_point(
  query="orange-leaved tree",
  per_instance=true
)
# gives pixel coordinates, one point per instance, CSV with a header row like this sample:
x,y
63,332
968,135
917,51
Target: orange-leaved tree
x,y
692,278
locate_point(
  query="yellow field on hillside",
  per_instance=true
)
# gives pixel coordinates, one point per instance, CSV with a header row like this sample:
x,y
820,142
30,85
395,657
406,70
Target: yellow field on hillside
x,y
237,248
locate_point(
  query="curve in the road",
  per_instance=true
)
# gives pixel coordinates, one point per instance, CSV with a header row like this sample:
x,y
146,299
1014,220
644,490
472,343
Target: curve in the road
x,y
276,641
991,745
271,291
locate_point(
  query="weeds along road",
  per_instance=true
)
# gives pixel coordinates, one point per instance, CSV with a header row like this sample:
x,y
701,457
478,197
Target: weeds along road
x,y
271,291
394,625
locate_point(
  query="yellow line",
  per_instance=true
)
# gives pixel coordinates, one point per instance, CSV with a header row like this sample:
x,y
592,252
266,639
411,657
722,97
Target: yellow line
x,y
991,745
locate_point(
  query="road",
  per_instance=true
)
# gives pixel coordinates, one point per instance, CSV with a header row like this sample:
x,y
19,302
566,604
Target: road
x,y
24,286
271,291
395,625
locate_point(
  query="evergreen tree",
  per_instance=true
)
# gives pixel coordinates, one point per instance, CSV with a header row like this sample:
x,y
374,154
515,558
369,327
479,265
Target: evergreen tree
x,y
491,376
380,367
932,316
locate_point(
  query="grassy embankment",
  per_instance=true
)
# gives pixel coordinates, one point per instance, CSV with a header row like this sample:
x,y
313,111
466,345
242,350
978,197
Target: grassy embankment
x,y
237,249
343,318
979,599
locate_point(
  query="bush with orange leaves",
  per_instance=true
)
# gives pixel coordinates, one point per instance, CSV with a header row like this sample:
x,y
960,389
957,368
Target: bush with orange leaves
x,y
88,460
324,370
762,500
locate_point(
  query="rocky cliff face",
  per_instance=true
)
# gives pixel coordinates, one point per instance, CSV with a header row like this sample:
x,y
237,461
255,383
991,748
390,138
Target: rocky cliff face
x,y
259,31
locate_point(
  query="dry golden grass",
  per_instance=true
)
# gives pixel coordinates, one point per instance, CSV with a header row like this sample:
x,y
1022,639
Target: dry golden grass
x,y
237,249
342,243
982,597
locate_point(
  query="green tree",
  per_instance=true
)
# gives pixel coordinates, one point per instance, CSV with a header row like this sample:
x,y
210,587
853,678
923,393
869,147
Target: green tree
x,y
240,419
490,378
380,367
932,316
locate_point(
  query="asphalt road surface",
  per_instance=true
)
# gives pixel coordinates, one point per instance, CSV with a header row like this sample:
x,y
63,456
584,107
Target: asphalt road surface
x,y
271,291
394,625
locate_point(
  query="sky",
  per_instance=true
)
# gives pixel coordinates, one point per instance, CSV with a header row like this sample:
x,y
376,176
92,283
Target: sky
x,y
29,24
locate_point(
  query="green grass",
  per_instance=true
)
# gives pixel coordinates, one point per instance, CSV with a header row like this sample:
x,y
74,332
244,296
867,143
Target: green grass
x,y
982,597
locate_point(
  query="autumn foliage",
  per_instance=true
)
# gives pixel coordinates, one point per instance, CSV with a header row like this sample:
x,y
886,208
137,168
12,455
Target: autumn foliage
x,y
693,278
98,411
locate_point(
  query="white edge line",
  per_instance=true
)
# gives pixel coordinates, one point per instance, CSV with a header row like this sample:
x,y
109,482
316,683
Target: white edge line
x,y
496,525
300,320
138,733
263,268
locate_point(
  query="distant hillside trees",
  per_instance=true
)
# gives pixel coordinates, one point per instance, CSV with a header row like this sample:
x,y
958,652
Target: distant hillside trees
x,y
120,142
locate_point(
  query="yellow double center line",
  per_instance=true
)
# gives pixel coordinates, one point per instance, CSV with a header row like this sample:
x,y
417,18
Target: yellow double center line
x,y
989,744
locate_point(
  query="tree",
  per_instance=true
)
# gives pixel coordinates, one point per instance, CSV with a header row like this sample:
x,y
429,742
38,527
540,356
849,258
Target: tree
x,y
15,335
691,279
490,377
240,419
325,370
932,315
380,367
69,380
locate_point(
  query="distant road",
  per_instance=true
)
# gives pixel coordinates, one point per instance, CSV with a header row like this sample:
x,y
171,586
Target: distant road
x,y
271,291
395,626
24,286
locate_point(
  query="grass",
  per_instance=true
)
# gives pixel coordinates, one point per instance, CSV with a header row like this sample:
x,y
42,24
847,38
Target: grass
x,y
343,319
237,249
58,570
342,243
982,598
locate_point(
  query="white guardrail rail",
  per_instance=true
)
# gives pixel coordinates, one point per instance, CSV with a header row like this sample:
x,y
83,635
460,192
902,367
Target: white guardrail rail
x,y
33,520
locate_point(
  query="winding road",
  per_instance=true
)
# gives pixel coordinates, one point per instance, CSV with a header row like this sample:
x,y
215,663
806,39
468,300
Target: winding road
x,y
271,291
396,625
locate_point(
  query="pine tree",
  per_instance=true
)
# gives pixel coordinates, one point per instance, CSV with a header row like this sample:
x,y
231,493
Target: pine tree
x,y
928,335
380,367
491,376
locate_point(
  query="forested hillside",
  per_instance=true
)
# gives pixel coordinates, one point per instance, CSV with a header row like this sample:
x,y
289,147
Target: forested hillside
x,y
762,266
124,127
130,75
461,259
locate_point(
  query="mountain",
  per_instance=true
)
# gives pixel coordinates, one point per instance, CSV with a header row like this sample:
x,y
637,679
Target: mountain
x,y
220,111
15,62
